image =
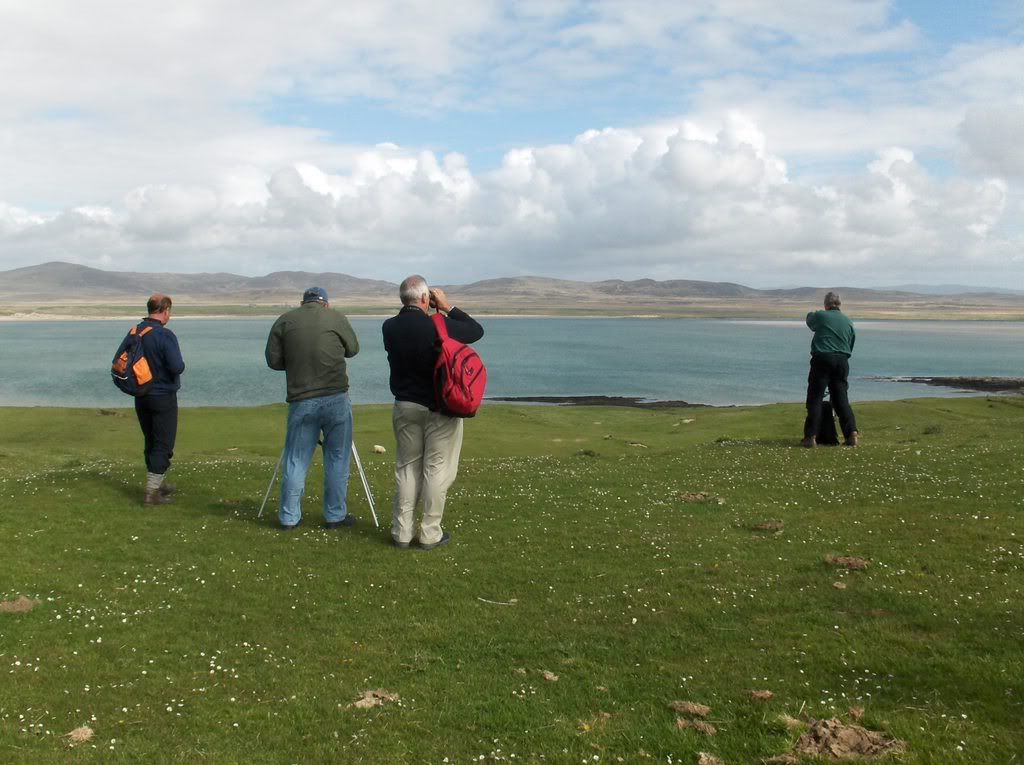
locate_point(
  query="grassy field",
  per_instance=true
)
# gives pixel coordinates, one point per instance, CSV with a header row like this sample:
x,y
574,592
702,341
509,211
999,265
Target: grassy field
x,y
605,562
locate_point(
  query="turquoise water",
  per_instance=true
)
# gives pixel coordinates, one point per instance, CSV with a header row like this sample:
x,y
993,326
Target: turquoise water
x,y
697,360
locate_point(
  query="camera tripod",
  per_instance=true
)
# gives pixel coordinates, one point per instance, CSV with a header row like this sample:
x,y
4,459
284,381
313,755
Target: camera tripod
x,y
362,477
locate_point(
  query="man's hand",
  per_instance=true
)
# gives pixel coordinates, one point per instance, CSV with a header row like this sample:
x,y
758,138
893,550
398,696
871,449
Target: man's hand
x,y
439,300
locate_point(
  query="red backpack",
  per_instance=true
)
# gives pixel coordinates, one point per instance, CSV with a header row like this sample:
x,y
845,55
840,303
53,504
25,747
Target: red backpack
x,y
459,375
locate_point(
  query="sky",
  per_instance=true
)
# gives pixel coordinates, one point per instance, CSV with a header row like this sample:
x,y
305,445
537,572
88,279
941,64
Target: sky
x,y
766,142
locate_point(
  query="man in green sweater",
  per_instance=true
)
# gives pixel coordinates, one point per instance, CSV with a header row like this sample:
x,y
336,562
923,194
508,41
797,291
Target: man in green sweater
x,y
310,343
830,367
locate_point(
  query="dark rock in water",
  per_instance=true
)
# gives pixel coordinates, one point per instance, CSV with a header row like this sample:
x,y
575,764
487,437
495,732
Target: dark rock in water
x,y
982,384
596,401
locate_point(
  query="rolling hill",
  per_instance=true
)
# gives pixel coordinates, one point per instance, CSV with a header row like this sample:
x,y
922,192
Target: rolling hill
x,y
48,286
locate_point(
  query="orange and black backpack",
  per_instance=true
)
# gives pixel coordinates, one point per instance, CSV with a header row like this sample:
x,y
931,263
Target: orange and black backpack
x,y
130,369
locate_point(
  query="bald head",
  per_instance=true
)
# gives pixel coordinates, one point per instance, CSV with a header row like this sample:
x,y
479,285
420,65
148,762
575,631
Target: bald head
x,y
413,290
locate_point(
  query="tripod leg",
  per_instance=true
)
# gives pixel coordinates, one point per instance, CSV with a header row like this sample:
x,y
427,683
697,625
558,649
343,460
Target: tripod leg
x,y
270,485
366,485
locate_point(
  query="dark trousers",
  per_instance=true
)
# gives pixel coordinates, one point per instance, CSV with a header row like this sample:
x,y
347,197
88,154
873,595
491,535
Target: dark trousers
x,y
158,418
829,370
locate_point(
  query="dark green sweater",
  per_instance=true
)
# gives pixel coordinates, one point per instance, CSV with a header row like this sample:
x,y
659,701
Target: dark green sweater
x,y
833,332
311,343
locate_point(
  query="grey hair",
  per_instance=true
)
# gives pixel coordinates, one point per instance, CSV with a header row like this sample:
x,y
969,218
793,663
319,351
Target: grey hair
x,y
832,300
413,289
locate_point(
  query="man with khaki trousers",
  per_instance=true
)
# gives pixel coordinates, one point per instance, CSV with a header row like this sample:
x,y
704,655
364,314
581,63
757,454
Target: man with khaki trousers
x,y
428,443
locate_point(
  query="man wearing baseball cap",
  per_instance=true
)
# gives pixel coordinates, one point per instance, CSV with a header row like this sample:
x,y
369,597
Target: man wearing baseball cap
x,y
310,343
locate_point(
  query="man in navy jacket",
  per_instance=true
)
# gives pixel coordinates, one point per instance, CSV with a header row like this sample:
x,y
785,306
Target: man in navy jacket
x,y
157,410
428,443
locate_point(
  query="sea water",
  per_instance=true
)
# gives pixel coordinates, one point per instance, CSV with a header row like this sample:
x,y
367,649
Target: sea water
x,y
706,361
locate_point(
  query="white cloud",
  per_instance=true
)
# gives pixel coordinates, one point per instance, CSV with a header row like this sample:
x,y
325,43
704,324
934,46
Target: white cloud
x,y
994,139
801,138
611,203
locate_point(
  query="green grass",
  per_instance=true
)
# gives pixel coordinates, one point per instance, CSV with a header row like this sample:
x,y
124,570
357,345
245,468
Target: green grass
x,y
198,633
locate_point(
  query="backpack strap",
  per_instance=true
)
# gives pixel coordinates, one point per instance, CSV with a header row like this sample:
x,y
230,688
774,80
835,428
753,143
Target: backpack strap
x,y
442,328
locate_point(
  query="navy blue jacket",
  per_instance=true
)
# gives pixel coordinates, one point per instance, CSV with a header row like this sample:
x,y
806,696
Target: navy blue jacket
x,y
411,341
163,355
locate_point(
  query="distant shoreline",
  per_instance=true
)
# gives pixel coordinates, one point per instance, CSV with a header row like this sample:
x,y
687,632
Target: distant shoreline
x,y
43,317
867,316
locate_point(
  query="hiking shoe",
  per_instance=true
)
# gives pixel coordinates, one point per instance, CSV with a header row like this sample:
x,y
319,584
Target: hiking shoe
x,y
167,489
292,527
348,520
809,443
445,539
853,439
156,498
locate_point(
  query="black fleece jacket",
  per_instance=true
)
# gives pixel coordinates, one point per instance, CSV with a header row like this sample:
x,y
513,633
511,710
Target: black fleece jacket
x,y
411,341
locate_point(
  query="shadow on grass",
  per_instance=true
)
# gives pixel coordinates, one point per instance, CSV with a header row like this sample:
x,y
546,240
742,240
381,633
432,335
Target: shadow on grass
x,y
247,511
773,443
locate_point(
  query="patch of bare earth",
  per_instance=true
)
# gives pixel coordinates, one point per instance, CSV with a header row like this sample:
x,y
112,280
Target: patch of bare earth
x,y
709,759
832,738
690,709
772,527
761,695
374,698
847,561
79,735
701,726
782,759
700,498
791,723
20,605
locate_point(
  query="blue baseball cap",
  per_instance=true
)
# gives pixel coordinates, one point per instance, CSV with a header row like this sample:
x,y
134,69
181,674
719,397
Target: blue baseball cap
x,y
314,293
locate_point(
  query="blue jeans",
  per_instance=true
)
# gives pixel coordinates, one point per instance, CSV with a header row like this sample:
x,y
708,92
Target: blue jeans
x,y
307,419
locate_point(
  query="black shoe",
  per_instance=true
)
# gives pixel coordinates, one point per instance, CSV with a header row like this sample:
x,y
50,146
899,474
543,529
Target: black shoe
x,y
445,539
348,520
292,527
156,498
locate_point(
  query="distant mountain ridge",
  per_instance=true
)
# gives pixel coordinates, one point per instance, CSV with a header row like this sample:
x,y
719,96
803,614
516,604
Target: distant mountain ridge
x,y
59,281
75,282
952,289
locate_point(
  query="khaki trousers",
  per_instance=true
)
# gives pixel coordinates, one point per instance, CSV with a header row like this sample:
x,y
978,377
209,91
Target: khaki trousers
x,y
428,445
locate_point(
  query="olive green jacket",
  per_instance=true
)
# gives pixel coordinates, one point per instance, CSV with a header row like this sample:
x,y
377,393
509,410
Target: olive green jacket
x,y
833,332
310,343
